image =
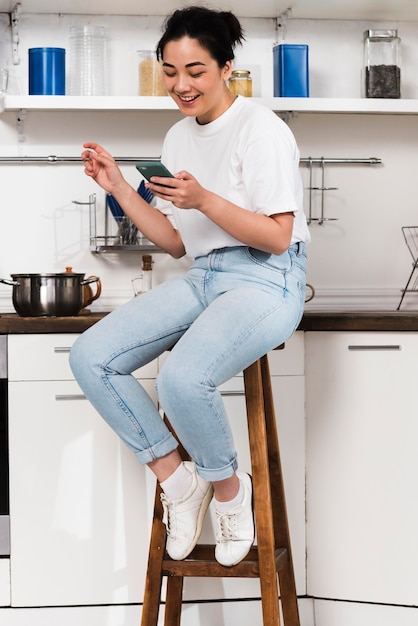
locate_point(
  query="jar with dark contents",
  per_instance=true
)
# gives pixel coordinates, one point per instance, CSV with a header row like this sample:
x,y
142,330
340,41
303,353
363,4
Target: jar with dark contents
x,y
241,83
382,64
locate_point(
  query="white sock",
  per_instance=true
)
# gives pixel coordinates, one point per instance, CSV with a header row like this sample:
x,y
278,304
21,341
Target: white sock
x,y
224,507
176,485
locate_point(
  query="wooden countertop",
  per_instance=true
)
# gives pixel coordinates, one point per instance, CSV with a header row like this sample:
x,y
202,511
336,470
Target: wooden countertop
x,y
11,323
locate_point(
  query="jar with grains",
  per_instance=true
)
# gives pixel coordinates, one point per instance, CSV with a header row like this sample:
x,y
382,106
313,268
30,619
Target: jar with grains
x,y
150,74
382,64
241,83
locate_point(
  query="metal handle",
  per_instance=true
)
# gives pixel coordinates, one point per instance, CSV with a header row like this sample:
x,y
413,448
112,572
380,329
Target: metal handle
x,y
70,396
62,349
366,348
6,281
233,393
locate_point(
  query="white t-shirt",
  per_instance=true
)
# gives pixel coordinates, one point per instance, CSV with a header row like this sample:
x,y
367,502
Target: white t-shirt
x,y
248,156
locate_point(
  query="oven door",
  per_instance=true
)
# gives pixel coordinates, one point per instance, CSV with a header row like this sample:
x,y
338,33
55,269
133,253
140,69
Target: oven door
x,y
4,453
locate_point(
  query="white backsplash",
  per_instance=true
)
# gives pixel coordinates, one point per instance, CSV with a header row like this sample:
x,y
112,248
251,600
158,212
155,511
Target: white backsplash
x,y
358,261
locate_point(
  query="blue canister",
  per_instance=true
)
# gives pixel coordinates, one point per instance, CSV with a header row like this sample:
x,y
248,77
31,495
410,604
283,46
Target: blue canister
x,y
46,71
291,70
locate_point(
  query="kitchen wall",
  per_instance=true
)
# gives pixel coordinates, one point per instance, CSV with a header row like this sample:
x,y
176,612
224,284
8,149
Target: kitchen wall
x,y
357,261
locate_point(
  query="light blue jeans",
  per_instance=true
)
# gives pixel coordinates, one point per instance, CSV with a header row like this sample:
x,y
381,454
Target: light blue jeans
x,y
232,306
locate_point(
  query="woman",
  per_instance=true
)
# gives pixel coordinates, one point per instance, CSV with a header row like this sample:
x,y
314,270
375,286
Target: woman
x,y
235,206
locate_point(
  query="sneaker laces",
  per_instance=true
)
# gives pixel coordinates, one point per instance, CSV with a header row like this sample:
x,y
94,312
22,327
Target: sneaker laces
x,y
227,527
168,515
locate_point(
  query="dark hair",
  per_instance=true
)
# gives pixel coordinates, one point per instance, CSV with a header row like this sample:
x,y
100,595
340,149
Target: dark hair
x,y
216,31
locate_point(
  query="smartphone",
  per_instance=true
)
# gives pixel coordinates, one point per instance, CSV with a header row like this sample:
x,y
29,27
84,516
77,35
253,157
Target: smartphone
x,y
153,168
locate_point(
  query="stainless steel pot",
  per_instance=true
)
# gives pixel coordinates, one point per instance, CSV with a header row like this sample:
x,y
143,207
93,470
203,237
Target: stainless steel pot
x,y
54,295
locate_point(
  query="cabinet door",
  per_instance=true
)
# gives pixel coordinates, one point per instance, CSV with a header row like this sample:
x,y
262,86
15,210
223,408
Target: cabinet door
x,y
81,505
362,466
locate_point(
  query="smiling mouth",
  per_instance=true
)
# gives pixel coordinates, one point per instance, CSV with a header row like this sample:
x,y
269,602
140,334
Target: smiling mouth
x,y
187,99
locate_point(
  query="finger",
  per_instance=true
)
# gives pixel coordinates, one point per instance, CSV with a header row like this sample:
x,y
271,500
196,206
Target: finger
x,y
162,181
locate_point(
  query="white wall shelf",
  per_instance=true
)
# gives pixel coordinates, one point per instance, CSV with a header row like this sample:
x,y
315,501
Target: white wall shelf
x,y
142,103
301,9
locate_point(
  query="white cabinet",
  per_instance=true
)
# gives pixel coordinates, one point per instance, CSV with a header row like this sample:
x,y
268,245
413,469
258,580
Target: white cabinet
x,y
362,466
80,504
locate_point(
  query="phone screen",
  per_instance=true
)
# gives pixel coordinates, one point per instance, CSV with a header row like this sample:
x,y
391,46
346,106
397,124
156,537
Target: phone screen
x,y
153,168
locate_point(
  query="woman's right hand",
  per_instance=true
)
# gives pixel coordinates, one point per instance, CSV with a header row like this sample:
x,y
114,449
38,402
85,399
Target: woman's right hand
x,y
101,166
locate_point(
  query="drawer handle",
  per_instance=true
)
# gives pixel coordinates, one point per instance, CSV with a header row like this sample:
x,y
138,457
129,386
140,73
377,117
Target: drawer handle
x,y
233,393
70,396
61,349
382,347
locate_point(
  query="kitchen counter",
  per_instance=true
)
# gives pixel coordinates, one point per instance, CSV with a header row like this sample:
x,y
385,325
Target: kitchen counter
x,y
11,323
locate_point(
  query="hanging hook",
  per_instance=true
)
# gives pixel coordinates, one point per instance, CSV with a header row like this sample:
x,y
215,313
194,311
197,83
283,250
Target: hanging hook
x,y
310,190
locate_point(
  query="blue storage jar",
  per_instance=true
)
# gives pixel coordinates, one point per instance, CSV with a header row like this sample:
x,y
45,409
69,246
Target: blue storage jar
x,y
291,70
46,71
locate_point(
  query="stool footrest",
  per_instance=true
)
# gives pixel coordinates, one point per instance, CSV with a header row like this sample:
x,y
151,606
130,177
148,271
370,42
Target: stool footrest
x,y
201,562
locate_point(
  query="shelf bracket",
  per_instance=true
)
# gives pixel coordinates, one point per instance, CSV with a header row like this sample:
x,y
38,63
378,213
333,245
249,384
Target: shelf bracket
x,y
281,24
20,119
14,19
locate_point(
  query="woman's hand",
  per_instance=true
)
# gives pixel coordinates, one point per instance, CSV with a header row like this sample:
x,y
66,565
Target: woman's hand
x,y
183,190
101,166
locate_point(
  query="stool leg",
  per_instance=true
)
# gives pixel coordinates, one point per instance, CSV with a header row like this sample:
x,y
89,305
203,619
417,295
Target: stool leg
x,y
172,614
262,495
153,583
281,526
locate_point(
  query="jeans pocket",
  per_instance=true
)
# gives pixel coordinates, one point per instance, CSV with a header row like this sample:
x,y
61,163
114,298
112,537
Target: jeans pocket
x,y
278,263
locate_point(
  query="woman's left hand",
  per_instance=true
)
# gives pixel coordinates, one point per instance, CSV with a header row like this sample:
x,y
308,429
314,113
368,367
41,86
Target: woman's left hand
x,y
183,190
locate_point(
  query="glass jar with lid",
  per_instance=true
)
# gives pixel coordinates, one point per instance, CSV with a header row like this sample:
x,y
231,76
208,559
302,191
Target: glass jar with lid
x,y
241,83
150,74
382,64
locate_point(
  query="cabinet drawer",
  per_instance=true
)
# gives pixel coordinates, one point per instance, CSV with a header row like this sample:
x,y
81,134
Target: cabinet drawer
x,y
45,357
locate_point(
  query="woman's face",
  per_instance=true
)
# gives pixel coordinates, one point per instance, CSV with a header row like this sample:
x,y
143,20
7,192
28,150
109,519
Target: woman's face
x,y
195,81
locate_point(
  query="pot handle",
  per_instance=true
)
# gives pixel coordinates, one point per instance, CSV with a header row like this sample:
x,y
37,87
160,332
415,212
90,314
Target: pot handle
x,y
89,296
309,296
14,283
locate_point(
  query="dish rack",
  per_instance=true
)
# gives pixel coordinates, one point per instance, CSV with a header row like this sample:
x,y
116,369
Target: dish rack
x,y
410,234
108,235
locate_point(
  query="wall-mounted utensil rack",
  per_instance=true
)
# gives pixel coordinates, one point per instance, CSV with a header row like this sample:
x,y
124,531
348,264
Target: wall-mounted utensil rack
x,y
321,162
112,241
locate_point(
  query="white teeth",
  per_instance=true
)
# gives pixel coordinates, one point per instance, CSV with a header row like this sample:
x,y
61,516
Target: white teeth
x,y
188,99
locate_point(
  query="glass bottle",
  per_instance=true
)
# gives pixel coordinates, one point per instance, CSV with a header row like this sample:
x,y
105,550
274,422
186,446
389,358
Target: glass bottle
x,y
143,282
382,64
241,83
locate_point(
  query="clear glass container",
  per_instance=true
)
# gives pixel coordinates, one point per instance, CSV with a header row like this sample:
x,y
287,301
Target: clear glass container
x,y
241,83
382,64
150,74
143,282
87,61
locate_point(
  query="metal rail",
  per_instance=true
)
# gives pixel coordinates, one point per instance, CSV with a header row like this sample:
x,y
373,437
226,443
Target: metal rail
x,y
320,160
67,159
72,159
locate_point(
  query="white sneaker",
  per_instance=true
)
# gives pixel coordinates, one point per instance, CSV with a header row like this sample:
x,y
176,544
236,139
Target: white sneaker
x,y
235,534
184,517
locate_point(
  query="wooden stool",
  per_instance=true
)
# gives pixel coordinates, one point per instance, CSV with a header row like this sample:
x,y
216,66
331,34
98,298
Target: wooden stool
x,y
271,560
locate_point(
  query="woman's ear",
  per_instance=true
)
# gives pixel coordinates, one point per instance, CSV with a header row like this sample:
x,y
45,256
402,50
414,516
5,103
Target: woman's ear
x,y
227,69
